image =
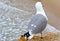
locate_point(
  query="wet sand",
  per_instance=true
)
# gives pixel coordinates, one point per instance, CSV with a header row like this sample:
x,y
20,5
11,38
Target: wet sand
x,y
52,8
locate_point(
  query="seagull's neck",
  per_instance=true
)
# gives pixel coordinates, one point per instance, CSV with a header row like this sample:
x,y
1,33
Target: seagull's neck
x,y
39,9
41,12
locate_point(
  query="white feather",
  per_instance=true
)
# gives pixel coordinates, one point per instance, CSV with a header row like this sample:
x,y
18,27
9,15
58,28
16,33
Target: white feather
x,y
39,9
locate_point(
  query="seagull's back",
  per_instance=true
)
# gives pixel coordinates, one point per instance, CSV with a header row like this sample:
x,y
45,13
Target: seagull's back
x,y
37,24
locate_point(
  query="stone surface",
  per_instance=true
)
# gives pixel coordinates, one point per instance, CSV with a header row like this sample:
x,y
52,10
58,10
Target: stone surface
x,y
13,22
21,4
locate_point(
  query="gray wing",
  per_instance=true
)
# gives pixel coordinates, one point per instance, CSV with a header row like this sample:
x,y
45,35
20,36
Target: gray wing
x,y
37,23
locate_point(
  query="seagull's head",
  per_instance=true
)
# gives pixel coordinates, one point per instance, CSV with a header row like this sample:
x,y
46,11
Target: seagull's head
x,y
38,6
39,9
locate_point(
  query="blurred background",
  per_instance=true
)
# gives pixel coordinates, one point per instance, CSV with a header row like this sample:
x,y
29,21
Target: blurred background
x,y
15,16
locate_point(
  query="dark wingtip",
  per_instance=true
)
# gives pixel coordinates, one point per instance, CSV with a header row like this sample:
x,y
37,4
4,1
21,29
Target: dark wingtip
x,y
26,35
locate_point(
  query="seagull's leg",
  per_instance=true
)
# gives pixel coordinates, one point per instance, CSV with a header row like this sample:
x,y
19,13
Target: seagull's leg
x,y
41,35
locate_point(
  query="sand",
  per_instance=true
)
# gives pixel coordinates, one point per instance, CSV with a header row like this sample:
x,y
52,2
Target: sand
x,y
48,37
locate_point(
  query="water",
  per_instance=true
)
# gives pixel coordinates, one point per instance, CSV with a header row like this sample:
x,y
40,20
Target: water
x,y
13,22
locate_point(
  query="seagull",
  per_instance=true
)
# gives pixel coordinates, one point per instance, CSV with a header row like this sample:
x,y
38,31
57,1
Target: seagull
x,y
38,22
